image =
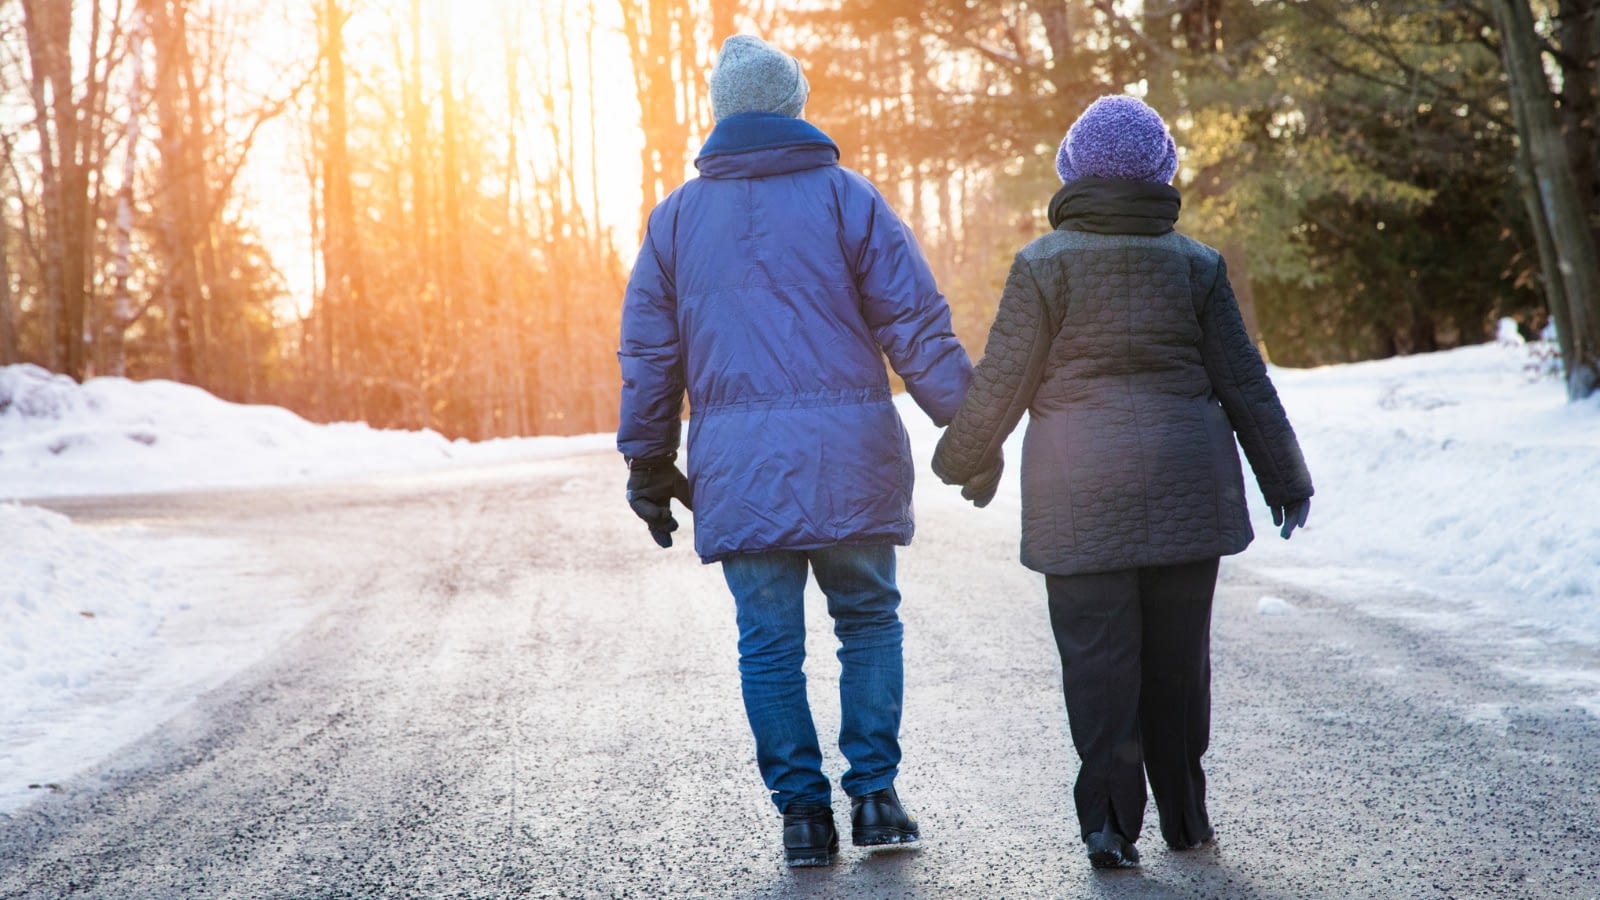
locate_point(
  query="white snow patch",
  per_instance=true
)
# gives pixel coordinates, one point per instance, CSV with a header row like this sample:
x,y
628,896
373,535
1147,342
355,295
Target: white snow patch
x,y
1269,605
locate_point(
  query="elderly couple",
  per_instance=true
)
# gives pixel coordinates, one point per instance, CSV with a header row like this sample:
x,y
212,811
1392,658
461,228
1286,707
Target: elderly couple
x,y
771,287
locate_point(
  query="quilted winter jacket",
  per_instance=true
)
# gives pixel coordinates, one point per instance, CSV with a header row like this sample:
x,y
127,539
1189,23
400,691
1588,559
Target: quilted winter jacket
x,y
1121,339
770,289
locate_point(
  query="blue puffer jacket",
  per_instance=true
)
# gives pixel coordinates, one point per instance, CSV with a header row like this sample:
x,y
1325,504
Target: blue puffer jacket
x,y
770,289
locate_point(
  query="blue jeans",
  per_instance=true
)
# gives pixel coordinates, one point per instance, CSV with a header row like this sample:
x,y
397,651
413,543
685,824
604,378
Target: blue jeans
x,y
769,595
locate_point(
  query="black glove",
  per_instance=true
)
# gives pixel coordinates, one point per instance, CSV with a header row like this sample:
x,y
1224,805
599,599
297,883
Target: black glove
x,y
652,485
1291,516
980,488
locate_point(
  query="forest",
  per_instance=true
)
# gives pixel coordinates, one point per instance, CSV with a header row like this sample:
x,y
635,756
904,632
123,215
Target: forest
x,y
422,213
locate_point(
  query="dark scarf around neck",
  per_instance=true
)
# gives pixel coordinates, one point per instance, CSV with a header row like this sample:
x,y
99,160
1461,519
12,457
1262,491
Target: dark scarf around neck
x,y
1115,206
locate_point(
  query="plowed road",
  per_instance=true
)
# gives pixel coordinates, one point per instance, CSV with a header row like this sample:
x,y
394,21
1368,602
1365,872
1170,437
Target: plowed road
x,y
508,691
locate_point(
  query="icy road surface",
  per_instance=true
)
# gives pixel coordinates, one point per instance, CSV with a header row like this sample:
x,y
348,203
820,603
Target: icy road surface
x,y
506,690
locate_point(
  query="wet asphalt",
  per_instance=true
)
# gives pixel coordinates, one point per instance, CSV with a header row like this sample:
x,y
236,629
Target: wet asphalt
x,y
513,693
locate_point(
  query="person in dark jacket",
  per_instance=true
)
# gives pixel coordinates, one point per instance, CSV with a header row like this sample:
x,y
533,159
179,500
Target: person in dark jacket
x,y
769,290
1121,339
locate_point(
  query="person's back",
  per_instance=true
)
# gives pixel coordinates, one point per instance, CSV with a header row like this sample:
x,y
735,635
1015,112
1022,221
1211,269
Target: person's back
x,y
791,278
1126,396
1123,341
769,290
765,284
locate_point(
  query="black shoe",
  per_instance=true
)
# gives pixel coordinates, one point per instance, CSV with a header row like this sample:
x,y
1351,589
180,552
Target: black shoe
x,y
809,837
1110,850
878,820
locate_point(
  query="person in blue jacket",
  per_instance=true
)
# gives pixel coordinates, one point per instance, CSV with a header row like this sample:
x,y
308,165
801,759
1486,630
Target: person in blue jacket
x,y
770,289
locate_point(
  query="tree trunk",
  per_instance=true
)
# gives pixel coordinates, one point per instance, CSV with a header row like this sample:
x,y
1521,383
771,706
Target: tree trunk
x,y
1200,27
1571,238
1060,28
75,237
423,230
45,23
8,325
594,133
460,298
338,205
202,201
179,278
1555,290
648,26
1238,256
113,343
1578,33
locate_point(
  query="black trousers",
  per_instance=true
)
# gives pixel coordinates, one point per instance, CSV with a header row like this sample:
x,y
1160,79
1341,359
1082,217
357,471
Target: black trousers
x,y
1136,670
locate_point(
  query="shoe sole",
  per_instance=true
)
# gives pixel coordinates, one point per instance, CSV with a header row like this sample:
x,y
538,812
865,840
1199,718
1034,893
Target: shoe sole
x,y
893,840
1110,859
810,857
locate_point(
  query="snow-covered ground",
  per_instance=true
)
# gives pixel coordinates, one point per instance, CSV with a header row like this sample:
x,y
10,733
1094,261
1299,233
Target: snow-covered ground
x,y
1456,490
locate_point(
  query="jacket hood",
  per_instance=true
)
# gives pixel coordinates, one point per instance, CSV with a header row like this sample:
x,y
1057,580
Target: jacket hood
x,y
754,145
1115,206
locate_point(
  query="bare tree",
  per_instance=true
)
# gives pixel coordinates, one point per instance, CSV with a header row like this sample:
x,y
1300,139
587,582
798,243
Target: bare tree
x,y
1577,36
660,34
122,308
9,343
180,199
340,295
62,120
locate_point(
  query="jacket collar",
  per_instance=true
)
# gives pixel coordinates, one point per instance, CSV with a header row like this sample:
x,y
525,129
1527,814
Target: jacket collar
x,y
751,145
1115,206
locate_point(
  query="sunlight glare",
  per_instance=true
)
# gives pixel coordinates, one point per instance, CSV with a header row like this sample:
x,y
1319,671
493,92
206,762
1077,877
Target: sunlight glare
x,y
570,110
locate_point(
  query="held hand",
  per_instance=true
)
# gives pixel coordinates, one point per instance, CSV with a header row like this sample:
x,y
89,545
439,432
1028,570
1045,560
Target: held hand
x,y
652,486
981,488
1291,516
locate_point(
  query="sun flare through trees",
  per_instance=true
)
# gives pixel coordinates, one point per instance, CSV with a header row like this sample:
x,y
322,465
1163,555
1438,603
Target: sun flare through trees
x,y
421,213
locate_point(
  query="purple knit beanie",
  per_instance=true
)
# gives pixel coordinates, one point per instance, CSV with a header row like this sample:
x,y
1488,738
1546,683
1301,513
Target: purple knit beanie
x,y
1118,137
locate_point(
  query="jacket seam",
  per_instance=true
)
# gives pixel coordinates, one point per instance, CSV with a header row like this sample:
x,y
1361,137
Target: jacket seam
x,y
810,400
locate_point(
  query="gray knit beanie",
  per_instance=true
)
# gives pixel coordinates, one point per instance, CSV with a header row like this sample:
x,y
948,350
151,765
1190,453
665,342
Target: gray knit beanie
x,y
754,76
1118,137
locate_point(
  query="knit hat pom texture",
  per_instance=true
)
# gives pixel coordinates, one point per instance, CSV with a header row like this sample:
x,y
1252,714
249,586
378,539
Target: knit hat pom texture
x,y
754,76
1118,137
